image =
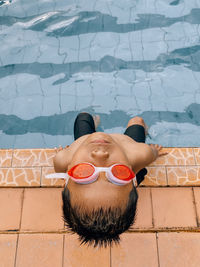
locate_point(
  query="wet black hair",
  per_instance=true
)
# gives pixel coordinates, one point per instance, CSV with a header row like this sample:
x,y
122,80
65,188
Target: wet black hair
x,y
101,226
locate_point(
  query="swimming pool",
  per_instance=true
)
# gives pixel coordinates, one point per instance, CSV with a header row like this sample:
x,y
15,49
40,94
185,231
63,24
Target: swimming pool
x,y
114,58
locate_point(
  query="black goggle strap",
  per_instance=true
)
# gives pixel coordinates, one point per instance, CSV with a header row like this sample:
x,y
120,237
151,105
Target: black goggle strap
x,y
141,175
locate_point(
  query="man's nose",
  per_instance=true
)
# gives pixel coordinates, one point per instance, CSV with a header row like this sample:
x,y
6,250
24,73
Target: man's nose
x,y
99,154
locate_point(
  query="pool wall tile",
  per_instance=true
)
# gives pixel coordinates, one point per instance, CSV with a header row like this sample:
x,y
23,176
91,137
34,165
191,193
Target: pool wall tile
x,y
39,250
143,217
42,210
84,256
129,252
156,176
20,176
6,157
28,167
7,250
50,182
197,155
33,157
173,207
179,249
188,175
10,208
176,156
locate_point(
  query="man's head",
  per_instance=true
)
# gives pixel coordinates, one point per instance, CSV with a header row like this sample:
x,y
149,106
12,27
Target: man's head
x,y
100,211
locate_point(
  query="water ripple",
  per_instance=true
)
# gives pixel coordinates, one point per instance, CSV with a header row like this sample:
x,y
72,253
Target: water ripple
x,y
52,39
62,124
108,64
59,25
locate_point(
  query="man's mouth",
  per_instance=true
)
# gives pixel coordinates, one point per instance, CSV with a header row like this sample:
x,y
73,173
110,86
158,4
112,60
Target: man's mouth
x,y
100,141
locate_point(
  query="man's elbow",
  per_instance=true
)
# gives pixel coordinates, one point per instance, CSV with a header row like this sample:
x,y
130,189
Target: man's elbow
x,y
58,165
148,156
55,164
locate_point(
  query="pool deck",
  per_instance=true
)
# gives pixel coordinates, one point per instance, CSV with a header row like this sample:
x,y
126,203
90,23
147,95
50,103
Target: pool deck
x,y
166,232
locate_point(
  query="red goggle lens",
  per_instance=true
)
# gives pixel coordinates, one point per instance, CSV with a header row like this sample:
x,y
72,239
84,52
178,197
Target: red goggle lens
x,y
84,170
81,171
122,172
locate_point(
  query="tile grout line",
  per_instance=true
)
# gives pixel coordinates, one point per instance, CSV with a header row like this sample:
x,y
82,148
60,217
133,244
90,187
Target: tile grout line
x,y
166,173
12,158
195,207
194,156
16,250
63,251
153,224
132,231
29,167
22,204
157,249
41,176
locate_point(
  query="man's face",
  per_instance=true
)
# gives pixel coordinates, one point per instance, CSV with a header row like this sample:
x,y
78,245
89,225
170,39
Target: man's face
x,y
101,192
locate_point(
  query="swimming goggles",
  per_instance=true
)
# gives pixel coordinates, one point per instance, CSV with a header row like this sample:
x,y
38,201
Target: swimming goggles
x,y
86,173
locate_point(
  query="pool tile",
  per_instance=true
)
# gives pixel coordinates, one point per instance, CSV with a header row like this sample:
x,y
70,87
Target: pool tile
x,y
42,210
5,157
188,175
197,202
197,154
33,157
10,208
173,207
176,156
50,182
7,249
20,176
84,256
179,249
43,250
155,176
144,209
135,249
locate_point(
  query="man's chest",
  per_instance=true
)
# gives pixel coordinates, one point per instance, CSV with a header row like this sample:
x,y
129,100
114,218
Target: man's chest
x,y
129,146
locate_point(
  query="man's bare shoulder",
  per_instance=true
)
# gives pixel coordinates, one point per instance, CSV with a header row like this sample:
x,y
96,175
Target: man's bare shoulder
x,y
63,157
128,143
122,137
139,154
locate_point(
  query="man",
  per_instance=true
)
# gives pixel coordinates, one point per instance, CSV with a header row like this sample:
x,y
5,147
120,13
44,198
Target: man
x,y
100,196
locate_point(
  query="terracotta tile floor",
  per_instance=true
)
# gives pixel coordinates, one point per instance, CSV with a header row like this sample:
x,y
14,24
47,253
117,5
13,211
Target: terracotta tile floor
x,y
166,232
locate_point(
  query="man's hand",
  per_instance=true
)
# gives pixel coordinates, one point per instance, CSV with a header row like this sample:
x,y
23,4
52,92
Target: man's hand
x,y
157,150
57,149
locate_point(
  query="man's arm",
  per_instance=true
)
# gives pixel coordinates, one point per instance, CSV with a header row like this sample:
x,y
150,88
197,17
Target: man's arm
x,y
60,161
147,154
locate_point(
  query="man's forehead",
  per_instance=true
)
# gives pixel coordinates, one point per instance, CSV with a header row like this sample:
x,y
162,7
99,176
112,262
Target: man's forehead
x,y
100,194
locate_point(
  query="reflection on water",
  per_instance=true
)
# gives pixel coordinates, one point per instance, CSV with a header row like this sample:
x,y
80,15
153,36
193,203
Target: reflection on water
x,y
189,57
118,59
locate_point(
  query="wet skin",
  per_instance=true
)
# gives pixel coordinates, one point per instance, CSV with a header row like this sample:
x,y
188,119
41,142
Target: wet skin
x,y
119,149
101,192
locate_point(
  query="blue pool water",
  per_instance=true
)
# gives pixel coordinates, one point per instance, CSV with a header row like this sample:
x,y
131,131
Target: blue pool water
x,y
118,59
